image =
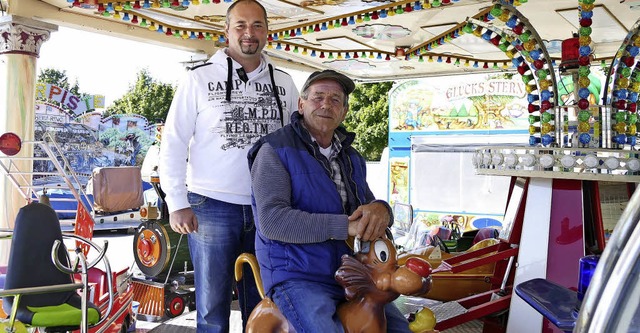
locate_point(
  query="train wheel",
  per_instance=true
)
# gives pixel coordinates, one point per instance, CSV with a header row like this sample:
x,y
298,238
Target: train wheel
x,y
174,305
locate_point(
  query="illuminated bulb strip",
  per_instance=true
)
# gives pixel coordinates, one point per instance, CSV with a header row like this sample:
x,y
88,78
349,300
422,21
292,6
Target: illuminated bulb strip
x,y
584,39
566,163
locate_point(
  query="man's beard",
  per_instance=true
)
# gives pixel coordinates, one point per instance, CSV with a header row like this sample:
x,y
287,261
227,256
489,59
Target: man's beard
x,y
249,49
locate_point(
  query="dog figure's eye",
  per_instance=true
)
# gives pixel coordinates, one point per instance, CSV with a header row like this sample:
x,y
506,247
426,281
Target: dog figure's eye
x,y
382,251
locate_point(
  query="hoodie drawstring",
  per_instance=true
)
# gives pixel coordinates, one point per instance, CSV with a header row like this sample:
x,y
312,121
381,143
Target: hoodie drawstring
x,y
275,93
229,83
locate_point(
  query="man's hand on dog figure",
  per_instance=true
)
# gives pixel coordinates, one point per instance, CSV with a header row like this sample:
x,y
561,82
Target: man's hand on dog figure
x,y
369,221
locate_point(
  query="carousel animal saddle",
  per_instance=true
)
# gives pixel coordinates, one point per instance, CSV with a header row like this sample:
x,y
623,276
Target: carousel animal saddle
x,y
371,278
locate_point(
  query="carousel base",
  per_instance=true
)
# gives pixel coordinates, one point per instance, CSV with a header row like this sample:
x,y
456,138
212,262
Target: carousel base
x,y
186,323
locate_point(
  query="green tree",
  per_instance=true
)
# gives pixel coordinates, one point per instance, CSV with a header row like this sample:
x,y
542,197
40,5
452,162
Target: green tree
x,y
369,118
60,79
147,97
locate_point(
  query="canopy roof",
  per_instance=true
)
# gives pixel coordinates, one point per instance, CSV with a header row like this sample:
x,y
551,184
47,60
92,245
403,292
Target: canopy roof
x,y
368,40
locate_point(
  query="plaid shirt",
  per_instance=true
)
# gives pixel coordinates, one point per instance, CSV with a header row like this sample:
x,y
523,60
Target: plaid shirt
x,y
336,173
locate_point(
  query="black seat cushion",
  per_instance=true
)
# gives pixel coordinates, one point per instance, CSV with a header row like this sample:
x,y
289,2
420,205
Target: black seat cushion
x,y
30,265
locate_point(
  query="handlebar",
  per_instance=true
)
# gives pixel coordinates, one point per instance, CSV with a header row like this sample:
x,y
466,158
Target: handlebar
x,y
81,260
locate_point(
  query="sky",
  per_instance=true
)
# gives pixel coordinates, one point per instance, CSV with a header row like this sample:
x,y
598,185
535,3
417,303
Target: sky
x,y
101,66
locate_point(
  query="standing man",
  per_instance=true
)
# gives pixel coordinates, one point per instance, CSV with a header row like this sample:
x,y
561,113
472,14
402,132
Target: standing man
x,y
219,110
311,193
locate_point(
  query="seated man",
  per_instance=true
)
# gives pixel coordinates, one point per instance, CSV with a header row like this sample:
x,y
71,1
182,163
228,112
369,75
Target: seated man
x,y
310,195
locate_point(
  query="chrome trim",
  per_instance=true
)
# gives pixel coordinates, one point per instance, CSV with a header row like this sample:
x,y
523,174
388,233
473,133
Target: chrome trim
x,y
613,267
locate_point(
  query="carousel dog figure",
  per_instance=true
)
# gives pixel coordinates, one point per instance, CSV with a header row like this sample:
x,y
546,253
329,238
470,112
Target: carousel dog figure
x,y
372,279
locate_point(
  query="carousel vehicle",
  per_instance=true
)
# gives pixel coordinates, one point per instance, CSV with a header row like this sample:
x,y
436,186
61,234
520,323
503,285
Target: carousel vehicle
x,y
578,163
43,285
45,288
162,255
372,278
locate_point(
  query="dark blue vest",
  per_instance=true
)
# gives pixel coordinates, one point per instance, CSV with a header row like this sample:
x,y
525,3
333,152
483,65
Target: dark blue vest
x,y
313,191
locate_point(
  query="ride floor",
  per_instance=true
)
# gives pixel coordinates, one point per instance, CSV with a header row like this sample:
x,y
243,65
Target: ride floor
x,y
186,323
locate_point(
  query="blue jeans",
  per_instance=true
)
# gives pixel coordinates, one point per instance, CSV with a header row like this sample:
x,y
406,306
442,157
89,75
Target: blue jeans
x,y
224,231
311,307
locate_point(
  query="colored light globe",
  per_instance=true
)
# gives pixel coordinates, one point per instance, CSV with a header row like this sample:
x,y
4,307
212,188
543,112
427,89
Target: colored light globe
x,y
632,107
516,62
544,84
533,140
541,74
545,94
545,105
586,14
628,61
584,61
620,104
533,130
584,138
620,116
623,82
547,117
547,128
538,64
583,103
533,108
631,140
547,140
633,51
586,22
632,118
620,93
584,71
584,50
584,81
583,127
496,11
583,116
533,119
620,127
535,54
584,31
532,98
587,5
631,131
584,40
625,72
522,69
504,17
529,45
584,93
518,29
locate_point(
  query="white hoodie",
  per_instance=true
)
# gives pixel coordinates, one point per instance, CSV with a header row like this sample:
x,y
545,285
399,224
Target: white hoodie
x,y
206,139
